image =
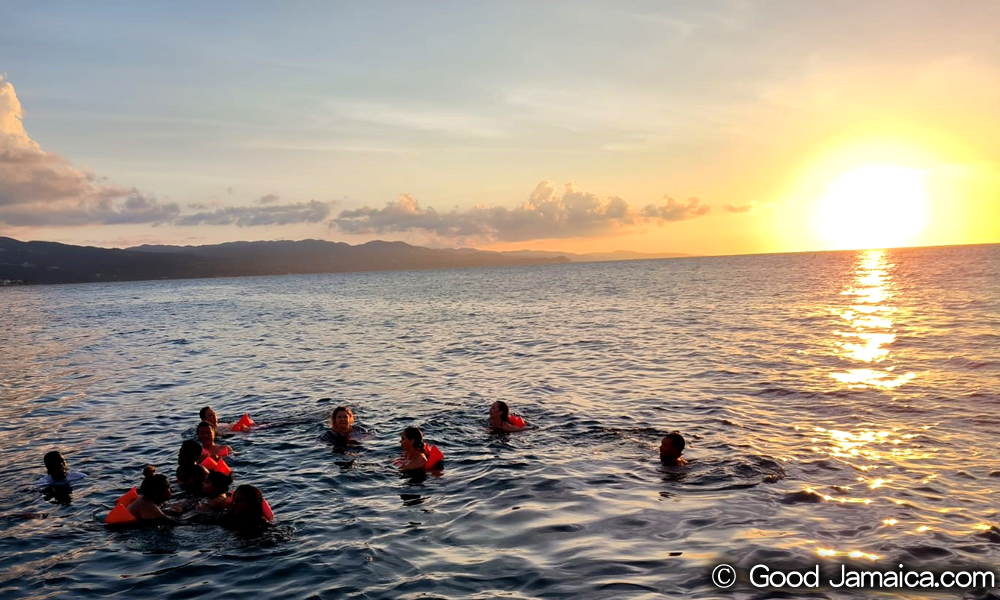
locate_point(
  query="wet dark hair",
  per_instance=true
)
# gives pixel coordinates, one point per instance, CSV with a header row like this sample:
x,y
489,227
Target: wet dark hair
x,y
55,464
417,436
504,411
153,485
220,481
677,440
53,458
258,498
205,424
203,412
333,415
189,453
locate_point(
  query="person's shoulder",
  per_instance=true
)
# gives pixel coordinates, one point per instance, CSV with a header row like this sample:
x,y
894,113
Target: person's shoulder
x,y
331,436
45,480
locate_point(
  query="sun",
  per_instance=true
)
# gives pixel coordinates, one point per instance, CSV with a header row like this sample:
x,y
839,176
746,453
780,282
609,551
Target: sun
x,y
873,206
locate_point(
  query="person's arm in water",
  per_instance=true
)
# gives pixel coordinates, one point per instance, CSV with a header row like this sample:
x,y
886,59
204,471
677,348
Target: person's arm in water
x,y
505,426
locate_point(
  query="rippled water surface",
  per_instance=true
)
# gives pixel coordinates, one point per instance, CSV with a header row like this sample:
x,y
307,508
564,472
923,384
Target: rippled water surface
x,y
837,406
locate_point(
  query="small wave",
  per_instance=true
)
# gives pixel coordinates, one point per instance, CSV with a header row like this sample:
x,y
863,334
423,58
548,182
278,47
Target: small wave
x,y
732,474
807,496
925,552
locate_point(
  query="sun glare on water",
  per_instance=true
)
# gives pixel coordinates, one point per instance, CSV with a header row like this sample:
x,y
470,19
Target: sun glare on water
x,y
874,206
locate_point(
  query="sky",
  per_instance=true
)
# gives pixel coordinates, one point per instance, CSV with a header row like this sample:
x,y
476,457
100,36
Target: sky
x,y
724,127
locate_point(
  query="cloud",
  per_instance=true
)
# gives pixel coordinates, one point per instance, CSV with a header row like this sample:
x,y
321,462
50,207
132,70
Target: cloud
x,y
547,214
753,206
453,121
40,188
673,210
313,211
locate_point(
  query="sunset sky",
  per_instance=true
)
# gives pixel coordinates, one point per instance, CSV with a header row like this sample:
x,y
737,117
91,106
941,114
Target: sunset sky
x,y
700,127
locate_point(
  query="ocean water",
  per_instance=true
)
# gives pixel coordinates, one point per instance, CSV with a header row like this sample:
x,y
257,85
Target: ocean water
x,y
840,408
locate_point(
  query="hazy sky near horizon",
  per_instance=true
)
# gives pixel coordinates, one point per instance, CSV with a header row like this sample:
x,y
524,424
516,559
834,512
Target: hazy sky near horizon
x,y
701,127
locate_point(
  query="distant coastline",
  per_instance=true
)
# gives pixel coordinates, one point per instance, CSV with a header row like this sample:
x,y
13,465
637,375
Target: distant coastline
x,y
30,263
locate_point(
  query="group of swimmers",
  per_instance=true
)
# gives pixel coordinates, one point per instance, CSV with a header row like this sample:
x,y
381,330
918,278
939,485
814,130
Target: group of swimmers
x,y
204,475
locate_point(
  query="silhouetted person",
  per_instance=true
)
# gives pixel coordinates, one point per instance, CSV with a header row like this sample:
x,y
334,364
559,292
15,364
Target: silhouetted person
x,y
58,471
671,448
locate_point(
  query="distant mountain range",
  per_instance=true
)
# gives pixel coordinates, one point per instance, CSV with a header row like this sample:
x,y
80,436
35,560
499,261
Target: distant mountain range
x,y
52,262
598,256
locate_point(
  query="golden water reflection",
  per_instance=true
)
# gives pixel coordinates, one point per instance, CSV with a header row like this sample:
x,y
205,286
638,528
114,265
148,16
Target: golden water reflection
x,y
871,330
872,446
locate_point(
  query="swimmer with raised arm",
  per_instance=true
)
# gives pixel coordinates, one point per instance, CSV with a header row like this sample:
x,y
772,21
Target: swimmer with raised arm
x,y
500,418
343,431
209,449
671,448
414,449
153,492
58,471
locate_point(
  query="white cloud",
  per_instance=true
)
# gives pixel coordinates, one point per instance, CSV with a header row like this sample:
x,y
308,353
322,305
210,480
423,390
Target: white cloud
x,y
39,188
453,122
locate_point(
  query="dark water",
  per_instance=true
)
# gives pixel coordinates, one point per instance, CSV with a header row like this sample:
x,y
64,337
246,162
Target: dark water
x,y
834,403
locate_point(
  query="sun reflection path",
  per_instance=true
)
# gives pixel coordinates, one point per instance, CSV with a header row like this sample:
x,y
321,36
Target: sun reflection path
x,y
871,330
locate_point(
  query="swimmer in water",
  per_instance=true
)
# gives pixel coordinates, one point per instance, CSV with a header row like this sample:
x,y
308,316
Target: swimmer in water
x,y
246,510
208,415
414,450
216,487
58,471
342,430
190,474
500,418
209,449
671,448
154,491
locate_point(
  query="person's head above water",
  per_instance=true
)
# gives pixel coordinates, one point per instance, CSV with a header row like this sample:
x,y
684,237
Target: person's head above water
x,y
189,453
248,503
342,419
412,438
217,483
56,465
155,488
500,410
672,446
206,434
208,415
